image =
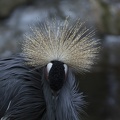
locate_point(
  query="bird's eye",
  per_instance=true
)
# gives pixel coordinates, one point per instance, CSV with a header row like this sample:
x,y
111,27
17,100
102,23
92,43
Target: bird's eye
x,y
65,68
49,66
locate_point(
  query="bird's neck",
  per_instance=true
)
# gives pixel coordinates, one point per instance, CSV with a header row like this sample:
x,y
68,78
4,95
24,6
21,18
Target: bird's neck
x,y
67,105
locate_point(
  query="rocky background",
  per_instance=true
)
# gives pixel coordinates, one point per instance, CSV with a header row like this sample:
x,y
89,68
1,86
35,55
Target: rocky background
x,y
102,84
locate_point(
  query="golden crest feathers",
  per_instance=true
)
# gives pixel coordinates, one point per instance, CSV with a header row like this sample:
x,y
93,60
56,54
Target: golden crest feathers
x,y
73,45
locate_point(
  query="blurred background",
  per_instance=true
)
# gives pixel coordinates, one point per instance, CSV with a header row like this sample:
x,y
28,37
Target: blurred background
x,y
102,85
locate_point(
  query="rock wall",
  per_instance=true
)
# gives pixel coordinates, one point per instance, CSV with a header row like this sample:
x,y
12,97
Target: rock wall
x,y
7,6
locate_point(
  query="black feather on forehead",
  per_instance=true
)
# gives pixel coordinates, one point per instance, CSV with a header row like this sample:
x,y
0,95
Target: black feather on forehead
x,y
56,75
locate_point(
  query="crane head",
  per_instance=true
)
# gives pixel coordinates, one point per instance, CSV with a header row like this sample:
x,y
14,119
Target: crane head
x,y
56,73
54,46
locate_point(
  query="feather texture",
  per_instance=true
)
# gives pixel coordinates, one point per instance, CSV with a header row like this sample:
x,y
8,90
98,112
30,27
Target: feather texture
x,y
68,105
74,45
70,102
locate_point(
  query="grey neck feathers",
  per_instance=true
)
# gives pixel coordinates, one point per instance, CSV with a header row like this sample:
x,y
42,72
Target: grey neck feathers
x,y
69,103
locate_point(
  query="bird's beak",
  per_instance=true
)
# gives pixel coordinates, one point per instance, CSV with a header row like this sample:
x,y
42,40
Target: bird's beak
x,y
55,93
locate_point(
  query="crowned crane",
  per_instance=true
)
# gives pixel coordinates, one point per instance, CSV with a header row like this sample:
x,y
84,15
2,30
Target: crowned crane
x,y
39,84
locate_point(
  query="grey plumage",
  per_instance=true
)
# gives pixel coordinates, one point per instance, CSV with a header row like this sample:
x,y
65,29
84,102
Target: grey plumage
x,y
23,88
68,105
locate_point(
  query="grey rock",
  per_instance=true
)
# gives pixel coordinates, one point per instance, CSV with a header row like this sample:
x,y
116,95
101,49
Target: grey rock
x,y
6,6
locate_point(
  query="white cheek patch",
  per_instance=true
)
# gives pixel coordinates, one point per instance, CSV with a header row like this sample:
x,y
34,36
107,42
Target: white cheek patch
x,y
65,68
49,66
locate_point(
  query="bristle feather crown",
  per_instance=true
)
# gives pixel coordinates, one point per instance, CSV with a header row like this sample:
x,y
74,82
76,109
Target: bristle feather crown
x,y
73,45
